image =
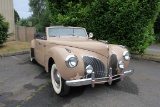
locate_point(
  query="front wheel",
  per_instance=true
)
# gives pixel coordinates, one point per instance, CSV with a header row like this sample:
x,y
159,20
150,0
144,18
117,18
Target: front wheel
x,y
115,81
58,82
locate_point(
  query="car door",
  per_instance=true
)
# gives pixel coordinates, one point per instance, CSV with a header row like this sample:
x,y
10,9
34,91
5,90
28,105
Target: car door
x,y
39,51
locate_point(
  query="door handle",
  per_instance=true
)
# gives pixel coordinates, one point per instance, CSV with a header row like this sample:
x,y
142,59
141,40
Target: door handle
x,y
40,42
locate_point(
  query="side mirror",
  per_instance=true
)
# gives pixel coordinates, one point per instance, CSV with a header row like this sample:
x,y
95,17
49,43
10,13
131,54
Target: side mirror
x,y
90,35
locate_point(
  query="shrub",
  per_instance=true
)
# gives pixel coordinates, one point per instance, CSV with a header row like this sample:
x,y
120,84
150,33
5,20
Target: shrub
x,y
157,38
4,26
125,22
157,29
157,25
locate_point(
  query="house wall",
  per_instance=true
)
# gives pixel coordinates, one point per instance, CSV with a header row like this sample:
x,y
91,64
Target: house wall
x,y
7,10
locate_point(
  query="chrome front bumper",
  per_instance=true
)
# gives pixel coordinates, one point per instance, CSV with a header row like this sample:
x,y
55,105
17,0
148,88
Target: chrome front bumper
x,y
94,80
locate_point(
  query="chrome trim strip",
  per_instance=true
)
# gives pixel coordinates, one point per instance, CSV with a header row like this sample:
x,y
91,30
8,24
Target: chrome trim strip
x,y
93,79
68,50
122,46
110,76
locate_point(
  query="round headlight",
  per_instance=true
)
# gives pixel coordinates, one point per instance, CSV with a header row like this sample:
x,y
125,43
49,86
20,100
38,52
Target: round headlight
x,y
121,64
71,61
126,56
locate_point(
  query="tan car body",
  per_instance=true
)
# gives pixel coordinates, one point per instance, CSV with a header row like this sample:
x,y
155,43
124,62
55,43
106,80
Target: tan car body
x,y
55,48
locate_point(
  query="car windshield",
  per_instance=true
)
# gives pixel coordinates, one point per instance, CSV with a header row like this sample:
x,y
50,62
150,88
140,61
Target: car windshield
x,y
52,32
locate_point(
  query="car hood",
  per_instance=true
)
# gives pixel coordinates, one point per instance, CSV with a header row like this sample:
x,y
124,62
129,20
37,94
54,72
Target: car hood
x,y
81,43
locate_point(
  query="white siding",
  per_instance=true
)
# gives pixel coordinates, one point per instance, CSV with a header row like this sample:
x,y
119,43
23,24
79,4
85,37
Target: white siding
x,y
7,10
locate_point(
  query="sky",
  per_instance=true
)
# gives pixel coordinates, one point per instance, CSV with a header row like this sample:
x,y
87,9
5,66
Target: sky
x,y
22,7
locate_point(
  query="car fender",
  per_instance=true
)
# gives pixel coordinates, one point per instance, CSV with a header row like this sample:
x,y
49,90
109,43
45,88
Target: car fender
x,y
118,50
59,55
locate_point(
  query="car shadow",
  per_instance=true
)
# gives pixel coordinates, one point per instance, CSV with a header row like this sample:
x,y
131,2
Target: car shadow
x,y
127,86
47,96
76,91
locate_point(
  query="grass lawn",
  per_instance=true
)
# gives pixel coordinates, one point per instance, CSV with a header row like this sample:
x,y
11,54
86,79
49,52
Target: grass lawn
x,y
14,46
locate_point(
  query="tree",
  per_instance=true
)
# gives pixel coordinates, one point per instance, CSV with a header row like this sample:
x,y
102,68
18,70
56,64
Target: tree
x,y
62,10
16,16
4,26
37,7
40,16
125,22
24,22
157,29
157,25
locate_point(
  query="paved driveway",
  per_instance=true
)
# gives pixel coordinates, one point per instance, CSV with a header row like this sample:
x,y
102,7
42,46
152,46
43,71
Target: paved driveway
x,y
24,84
153,49
19,78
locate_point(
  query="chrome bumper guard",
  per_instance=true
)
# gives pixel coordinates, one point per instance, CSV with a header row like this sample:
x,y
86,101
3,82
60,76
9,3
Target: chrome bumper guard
x,y
94,80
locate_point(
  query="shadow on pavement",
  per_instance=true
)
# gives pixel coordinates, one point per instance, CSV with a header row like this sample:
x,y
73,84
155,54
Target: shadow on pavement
x,y
126,86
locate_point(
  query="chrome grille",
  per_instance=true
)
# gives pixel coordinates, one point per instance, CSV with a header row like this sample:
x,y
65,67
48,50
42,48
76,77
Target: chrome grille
x,y
98,66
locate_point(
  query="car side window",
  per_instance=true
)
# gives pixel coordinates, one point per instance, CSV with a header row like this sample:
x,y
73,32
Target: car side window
x,y
40,36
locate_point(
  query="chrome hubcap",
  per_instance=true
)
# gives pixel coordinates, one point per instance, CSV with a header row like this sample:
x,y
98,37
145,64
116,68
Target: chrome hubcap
x,y
57,79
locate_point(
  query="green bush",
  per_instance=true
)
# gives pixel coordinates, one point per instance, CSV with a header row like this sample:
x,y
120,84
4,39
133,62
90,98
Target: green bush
x,y
4,26
157,38
157,25
24,22
125,22
157,29
68,12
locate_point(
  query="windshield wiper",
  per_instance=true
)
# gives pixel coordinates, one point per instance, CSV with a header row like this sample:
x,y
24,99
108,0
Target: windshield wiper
x,y
54,36
76,35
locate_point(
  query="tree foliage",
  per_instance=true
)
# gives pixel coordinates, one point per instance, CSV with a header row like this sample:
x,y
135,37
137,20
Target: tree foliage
x,y
67,12
126,22
157,25
4,26
37,6
16,16
40,16
157,29
23,22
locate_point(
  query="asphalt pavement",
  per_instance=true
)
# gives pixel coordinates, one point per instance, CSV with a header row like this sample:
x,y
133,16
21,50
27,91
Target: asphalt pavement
x,y
19,78
153,49
25,84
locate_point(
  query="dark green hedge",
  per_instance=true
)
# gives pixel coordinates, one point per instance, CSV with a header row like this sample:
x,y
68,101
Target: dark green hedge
x,y
157,29
4,26
125,22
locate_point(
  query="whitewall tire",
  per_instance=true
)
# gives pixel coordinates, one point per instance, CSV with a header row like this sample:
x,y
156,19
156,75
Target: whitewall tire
x,y
58,82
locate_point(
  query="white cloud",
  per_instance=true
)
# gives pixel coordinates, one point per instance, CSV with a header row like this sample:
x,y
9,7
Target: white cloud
x,y
22,7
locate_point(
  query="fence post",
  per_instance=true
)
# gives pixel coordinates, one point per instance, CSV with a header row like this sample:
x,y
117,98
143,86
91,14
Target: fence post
x,y
26,34
18,34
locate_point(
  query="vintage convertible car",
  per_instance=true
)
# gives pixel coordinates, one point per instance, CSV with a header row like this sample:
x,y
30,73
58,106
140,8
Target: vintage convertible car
x,y
74,59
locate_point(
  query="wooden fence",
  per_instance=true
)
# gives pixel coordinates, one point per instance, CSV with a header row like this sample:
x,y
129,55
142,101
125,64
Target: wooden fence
x,y
24,34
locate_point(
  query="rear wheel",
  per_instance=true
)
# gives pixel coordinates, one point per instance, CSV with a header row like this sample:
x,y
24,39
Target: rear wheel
x,y
58,82
32,59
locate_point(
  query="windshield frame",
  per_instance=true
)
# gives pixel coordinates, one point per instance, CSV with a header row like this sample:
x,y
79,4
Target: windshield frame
x,y
47,31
